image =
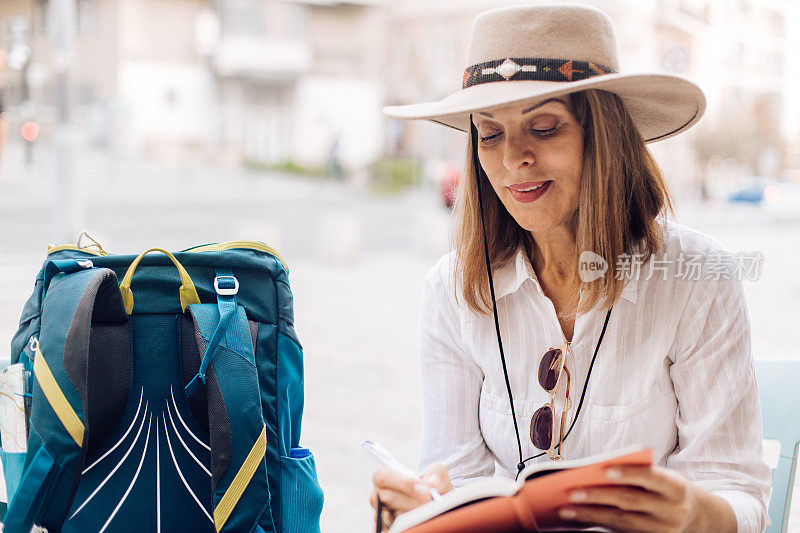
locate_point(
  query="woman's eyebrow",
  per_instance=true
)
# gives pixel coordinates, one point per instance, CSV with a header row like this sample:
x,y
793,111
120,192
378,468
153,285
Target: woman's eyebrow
x,y
528,110
540,104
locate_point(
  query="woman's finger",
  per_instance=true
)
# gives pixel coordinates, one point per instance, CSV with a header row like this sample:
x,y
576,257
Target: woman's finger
x,y
632,499
625,498
438,477
373,499
387,515
613,518
400,501
652,478
387,518
386,478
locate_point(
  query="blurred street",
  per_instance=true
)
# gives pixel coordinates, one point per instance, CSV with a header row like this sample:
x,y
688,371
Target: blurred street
x,y
356,266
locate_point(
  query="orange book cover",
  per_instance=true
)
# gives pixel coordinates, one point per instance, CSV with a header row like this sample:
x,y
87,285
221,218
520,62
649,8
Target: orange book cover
x,y
504,506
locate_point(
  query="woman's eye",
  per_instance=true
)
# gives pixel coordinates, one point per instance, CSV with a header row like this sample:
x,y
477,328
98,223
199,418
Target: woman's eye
x,y
544,127
544,132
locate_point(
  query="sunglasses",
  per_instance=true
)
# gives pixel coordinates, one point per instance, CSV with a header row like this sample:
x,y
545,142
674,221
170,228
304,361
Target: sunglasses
x,y
551,369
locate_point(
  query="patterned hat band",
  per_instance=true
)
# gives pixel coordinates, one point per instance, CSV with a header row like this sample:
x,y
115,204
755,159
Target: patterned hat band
x,y
532,68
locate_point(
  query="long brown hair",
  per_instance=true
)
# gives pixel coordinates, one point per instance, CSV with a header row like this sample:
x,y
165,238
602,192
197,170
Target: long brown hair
x,y
622,194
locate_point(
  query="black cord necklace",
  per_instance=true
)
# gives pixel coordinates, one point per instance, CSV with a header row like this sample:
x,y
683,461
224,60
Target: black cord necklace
x,y
521,465
583,394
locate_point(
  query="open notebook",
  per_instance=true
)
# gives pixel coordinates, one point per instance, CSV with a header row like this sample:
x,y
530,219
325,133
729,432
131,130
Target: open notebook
x,y
529,504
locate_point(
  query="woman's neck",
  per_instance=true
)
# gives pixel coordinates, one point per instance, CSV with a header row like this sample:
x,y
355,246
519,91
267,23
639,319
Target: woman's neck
x,y
554,256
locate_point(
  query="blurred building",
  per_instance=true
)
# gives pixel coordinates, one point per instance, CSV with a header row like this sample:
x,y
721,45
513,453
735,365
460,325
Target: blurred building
x,y
299,80
272,81
737,50
255,81
135,80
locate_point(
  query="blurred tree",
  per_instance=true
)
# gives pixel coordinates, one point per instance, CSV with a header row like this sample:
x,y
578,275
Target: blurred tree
x,y
747,137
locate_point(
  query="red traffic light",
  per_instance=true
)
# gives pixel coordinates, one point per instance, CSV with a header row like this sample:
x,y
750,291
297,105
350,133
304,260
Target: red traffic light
x,y
30,131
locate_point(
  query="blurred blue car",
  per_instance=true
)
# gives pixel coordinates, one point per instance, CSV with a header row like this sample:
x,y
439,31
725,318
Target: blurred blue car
x,y
781,200
753,193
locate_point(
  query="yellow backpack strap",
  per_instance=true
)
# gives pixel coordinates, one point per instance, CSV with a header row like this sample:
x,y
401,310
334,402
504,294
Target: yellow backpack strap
x,y
187,291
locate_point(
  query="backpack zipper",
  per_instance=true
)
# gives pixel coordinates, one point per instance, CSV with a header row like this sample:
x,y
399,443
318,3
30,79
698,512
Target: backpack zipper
x,y
248,245
229,245
52,249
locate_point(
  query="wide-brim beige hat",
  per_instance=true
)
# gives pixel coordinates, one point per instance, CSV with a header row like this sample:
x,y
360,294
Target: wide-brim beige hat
x,y
530,53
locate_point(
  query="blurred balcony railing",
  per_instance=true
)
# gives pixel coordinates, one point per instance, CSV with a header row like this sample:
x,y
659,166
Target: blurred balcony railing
x,y
256,57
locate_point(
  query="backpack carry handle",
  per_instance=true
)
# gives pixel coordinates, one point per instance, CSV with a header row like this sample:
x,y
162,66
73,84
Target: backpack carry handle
x,y
188,293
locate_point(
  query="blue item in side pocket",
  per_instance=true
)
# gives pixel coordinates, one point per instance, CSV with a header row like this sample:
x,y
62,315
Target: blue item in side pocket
x,y
299,453
301,494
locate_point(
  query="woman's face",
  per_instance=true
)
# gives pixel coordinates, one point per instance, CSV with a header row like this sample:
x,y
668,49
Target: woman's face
x,y
533,154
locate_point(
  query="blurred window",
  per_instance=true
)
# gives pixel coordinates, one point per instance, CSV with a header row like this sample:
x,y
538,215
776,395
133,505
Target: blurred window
x,y
41,20
737,56
267,124
735,100
698,10
257,18
444,67
87,14
400,48
744,7
284,19
12,92
85,93
240,17
776,63
45,94
777,22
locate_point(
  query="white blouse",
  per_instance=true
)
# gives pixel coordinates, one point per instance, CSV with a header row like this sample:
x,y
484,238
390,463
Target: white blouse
x,y
674,373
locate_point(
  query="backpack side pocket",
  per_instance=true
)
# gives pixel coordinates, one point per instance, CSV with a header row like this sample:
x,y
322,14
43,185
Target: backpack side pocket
x,y
301,494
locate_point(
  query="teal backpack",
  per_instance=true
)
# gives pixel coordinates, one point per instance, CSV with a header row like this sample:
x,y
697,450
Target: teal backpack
x,y
168,401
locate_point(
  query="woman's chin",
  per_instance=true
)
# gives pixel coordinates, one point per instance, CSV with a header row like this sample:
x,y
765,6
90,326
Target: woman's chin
x,y
541,218
536,225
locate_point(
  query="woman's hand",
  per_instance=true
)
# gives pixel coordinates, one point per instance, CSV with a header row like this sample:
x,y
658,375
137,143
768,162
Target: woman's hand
x,y
650,499
401,493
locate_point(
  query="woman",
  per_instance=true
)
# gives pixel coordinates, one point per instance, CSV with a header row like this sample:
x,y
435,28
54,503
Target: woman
x,y
562,243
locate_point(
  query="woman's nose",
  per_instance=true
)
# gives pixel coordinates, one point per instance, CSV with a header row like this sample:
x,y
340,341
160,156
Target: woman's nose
x,y
517,152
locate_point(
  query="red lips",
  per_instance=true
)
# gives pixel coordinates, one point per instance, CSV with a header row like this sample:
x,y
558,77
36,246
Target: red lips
x,y
519,193
526,185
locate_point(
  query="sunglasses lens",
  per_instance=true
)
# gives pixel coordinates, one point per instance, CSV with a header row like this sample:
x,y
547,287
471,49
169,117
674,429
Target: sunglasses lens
x,y
542,428
548,371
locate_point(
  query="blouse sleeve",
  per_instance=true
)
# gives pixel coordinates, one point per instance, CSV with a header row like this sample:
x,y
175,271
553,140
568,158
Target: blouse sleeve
x,y
451,387
719,416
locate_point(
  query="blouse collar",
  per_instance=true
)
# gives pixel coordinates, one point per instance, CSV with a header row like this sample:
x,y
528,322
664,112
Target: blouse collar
x,y
511,275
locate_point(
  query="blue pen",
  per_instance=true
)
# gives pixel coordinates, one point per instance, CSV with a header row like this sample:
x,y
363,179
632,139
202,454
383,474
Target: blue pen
x,y
382,454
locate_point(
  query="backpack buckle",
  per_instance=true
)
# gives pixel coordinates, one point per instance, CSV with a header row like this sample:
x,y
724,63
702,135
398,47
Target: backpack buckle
x,y
226,285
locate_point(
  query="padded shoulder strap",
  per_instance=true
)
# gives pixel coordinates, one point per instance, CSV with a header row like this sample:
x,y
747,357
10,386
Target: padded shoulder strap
x,y
82,376
232,413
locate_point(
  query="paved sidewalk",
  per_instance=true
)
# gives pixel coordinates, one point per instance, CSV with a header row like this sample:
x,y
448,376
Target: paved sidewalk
x,y
358,326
